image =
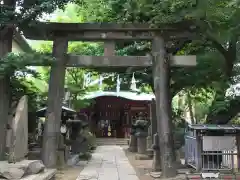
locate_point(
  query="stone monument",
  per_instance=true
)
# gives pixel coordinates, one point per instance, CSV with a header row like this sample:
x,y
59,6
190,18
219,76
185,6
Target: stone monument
x,y
141,134
18,145
149,143
18,166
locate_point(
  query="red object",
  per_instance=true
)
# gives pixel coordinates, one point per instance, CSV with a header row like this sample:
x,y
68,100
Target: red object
x,y
115,109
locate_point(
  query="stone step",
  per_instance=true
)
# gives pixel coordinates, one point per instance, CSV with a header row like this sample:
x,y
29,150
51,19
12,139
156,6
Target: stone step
x,y
111,141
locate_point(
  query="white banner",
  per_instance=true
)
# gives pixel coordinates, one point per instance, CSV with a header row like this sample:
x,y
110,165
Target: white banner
x,y
218,143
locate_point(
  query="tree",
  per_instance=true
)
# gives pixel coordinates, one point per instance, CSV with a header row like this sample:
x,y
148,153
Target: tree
x,y
217,39
15,14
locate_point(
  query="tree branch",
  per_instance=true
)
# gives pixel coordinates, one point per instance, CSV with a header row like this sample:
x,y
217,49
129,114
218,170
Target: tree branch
x,y
217,45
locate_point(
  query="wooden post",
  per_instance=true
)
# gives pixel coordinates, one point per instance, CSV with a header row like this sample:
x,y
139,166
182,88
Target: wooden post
x,y
238,150
5,48
198,152
163,108
55,98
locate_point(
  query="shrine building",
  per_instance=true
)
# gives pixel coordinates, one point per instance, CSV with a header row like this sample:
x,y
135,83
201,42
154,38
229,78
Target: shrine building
x,y
112,113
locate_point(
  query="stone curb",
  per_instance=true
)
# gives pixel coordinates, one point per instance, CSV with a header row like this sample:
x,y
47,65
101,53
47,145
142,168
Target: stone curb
x,y
73,160
48,174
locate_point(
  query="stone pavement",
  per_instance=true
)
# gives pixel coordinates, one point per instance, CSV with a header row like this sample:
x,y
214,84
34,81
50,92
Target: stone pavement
x,y
108,163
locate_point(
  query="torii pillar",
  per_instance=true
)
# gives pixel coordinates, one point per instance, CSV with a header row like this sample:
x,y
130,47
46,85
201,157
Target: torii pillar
x,y
55,102
163,106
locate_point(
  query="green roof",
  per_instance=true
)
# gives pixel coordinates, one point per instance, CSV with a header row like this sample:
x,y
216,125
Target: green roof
x,y
136,96
213,127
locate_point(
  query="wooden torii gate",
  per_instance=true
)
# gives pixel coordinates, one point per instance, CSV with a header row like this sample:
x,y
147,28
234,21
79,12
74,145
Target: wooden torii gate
x,y
61,33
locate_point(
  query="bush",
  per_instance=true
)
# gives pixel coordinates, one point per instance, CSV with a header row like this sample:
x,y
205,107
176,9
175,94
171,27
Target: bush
x,y
90,138
85,156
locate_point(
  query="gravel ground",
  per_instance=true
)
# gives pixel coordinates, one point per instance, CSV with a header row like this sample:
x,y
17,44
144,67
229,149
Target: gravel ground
x,y
69,173
142,167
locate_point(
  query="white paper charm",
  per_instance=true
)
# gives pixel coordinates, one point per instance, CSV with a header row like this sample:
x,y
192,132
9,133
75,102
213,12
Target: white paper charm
x,y
87,80
133,83
100,82
118,85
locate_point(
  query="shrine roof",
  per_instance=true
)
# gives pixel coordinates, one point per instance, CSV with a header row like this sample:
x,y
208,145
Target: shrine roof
x,y
213,127
123,94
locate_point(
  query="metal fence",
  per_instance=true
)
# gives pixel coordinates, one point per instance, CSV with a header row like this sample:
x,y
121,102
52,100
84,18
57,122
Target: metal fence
x,y
191,151
218,160
210,160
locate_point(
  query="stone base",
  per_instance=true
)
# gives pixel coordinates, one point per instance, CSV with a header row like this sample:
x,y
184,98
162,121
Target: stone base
x,y
150,153
73,160
156,166
133,144
142,157
48,174
132,149
141,145
157,175
149,142
20,169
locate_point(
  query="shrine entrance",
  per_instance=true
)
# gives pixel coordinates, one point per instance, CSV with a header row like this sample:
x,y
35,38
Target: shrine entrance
x,y
112,115
164,38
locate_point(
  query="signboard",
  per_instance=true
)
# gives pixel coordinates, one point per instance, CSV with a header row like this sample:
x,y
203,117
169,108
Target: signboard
x,y
218,143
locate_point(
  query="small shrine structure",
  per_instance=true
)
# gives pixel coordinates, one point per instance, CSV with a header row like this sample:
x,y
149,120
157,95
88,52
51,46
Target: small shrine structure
x,y
116,111
213,148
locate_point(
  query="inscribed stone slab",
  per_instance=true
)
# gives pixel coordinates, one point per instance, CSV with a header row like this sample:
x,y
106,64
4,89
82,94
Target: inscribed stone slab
x,y
19,139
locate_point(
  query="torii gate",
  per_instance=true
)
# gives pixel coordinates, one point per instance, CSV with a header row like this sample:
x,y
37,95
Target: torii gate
x,y
61,33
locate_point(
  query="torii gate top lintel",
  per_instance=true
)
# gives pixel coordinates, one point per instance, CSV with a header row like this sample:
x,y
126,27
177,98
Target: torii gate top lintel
x,y
106,31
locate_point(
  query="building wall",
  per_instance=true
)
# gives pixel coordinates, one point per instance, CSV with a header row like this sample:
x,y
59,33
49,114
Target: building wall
x,y
16,48
118,111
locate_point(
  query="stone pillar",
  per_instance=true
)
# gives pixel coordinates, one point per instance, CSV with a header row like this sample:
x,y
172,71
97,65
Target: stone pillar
x,y
61,152
153,127
133,143
141,144
55,101
156,166
153,117
149,139
161,74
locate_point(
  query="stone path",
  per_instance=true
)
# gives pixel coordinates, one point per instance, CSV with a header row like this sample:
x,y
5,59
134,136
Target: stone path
x,y
108,163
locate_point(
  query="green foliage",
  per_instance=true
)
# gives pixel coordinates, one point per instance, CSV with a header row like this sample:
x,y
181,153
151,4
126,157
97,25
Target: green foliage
x,y
90,138
85,156
20,13
16,62
215,44
217,26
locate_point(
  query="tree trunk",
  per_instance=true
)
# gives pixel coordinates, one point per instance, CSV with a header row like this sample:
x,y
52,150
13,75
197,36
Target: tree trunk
x,y
190,107
230,56
6,36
